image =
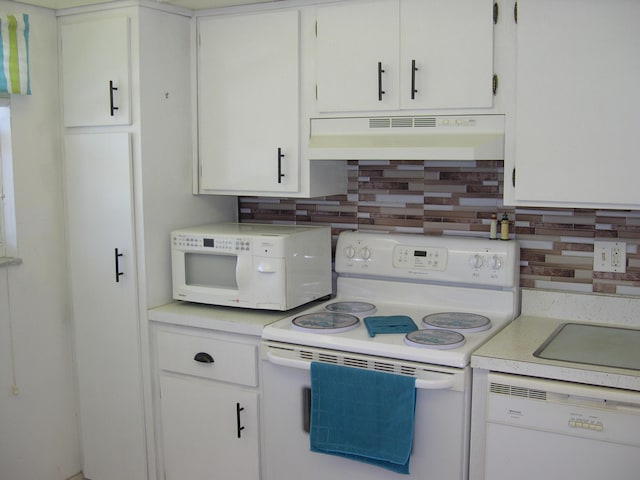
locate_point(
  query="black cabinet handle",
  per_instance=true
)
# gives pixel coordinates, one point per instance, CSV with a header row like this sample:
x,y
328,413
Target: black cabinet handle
x,y
118,272
380,90
280,157
414,69
111,89
203,357
238,423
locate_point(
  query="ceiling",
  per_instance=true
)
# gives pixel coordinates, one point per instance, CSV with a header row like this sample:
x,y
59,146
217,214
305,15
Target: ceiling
x,y
189,4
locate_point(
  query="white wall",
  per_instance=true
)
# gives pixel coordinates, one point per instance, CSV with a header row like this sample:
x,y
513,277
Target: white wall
x,y
38,425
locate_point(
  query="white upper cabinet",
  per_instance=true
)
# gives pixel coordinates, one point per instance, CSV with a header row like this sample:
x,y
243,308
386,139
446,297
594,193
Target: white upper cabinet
x,y
381,55
446,53
357,55
248,102
95,71
578,71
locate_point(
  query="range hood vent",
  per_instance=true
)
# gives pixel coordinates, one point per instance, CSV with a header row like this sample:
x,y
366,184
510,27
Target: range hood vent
x,y
450,137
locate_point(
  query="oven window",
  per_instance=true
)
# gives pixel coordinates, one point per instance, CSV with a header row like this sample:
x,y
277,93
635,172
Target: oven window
x,y
206,270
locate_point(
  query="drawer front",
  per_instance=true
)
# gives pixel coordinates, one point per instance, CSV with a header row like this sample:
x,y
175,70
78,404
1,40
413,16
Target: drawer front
x,y
230,361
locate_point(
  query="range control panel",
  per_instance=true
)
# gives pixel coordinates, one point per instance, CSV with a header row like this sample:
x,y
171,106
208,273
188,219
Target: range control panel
x,y
468,260
432,258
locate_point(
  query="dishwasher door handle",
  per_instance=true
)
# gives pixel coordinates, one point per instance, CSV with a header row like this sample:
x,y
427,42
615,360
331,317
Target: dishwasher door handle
x,y
441,381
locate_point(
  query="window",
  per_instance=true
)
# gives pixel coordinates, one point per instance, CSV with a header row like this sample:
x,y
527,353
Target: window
x,y
8,244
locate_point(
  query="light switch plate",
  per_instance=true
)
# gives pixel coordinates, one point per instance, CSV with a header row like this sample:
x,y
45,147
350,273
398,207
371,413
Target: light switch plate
x,y
609,257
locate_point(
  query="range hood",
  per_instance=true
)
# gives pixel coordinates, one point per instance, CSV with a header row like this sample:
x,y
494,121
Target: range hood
x,y
439,137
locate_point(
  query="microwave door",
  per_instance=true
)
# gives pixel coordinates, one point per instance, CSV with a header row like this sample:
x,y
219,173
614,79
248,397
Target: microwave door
x,y
213,278
210,270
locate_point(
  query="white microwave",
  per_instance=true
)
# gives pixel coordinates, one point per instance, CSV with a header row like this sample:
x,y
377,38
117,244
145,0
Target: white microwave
x,y
271,267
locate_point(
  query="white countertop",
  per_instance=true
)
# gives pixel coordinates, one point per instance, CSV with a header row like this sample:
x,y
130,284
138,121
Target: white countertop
x,y
511,350
226,319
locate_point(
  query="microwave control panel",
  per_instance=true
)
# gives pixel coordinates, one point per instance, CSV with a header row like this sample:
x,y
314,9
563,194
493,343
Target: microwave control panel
x,y
234,245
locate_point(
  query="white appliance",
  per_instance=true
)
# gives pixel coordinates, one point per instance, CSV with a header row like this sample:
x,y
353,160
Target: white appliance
x,y
539,428
445,285
271,267
560,383
422,137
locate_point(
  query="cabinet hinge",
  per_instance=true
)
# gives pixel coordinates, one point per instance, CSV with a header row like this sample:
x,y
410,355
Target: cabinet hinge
x,y
496,11
494,84
515,12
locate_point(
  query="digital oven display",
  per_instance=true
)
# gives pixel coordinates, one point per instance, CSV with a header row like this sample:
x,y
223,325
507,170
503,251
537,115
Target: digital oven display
x,y
419,253
208,242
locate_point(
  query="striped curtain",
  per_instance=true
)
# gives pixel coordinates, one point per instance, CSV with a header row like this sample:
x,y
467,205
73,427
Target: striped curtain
x,y
14,54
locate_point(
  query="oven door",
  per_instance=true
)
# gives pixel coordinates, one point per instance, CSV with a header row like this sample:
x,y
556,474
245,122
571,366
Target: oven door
x,y
441,430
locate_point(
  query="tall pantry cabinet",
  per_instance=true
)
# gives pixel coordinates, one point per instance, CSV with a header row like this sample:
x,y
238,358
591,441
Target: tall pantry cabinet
x,y
127,171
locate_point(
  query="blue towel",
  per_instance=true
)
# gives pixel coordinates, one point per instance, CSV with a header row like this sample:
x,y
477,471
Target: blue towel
x,y
389,324
363,415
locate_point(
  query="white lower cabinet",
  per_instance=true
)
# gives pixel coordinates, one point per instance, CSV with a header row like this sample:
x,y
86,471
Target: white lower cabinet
x,y
102,259
208,404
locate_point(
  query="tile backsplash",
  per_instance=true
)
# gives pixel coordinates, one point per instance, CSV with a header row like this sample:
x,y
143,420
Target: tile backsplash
x,y
458,198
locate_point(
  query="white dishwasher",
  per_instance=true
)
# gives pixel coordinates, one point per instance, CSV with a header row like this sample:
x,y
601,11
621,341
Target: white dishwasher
x,y
546,429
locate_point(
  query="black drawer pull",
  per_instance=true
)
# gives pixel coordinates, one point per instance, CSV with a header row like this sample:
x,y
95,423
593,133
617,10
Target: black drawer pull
x,y
203,357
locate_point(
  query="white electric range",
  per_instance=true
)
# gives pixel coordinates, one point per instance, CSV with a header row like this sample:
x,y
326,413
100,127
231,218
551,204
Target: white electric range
x,y
405,304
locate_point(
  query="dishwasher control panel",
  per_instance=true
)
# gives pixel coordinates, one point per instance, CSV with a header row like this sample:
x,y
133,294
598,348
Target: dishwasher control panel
x,y
577,410
590,423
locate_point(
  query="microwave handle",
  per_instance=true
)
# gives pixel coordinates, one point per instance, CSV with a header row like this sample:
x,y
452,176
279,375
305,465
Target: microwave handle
x,y
266,268
441,381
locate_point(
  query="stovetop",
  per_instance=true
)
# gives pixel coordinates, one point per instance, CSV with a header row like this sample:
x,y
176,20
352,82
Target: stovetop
x,y
414,276
392,345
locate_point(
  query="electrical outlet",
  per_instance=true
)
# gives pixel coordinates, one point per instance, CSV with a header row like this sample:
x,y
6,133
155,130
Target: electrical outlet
x,y
610,257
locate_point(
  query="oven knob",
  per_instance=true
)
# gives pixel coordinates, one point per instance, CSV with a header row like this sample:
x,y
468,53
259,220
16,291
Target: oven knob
x,y
495,262
476,261
365,253
349,252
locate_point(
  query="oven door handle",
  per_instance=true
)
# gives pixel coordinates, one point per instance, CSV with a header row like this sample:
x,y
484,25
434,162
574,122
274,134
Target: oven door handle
x,y
441,381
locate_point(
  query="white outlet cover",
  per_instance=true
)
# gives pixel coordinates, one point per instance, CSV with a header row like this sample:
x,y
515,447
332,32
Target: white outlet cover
x,y
609,257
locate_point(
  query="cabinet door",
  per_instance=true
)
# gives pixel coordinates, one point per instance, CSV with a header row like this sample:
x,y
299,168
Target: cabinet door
x,y
208,430
95,71
248,102
446,58
105,310
578,72
355,41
